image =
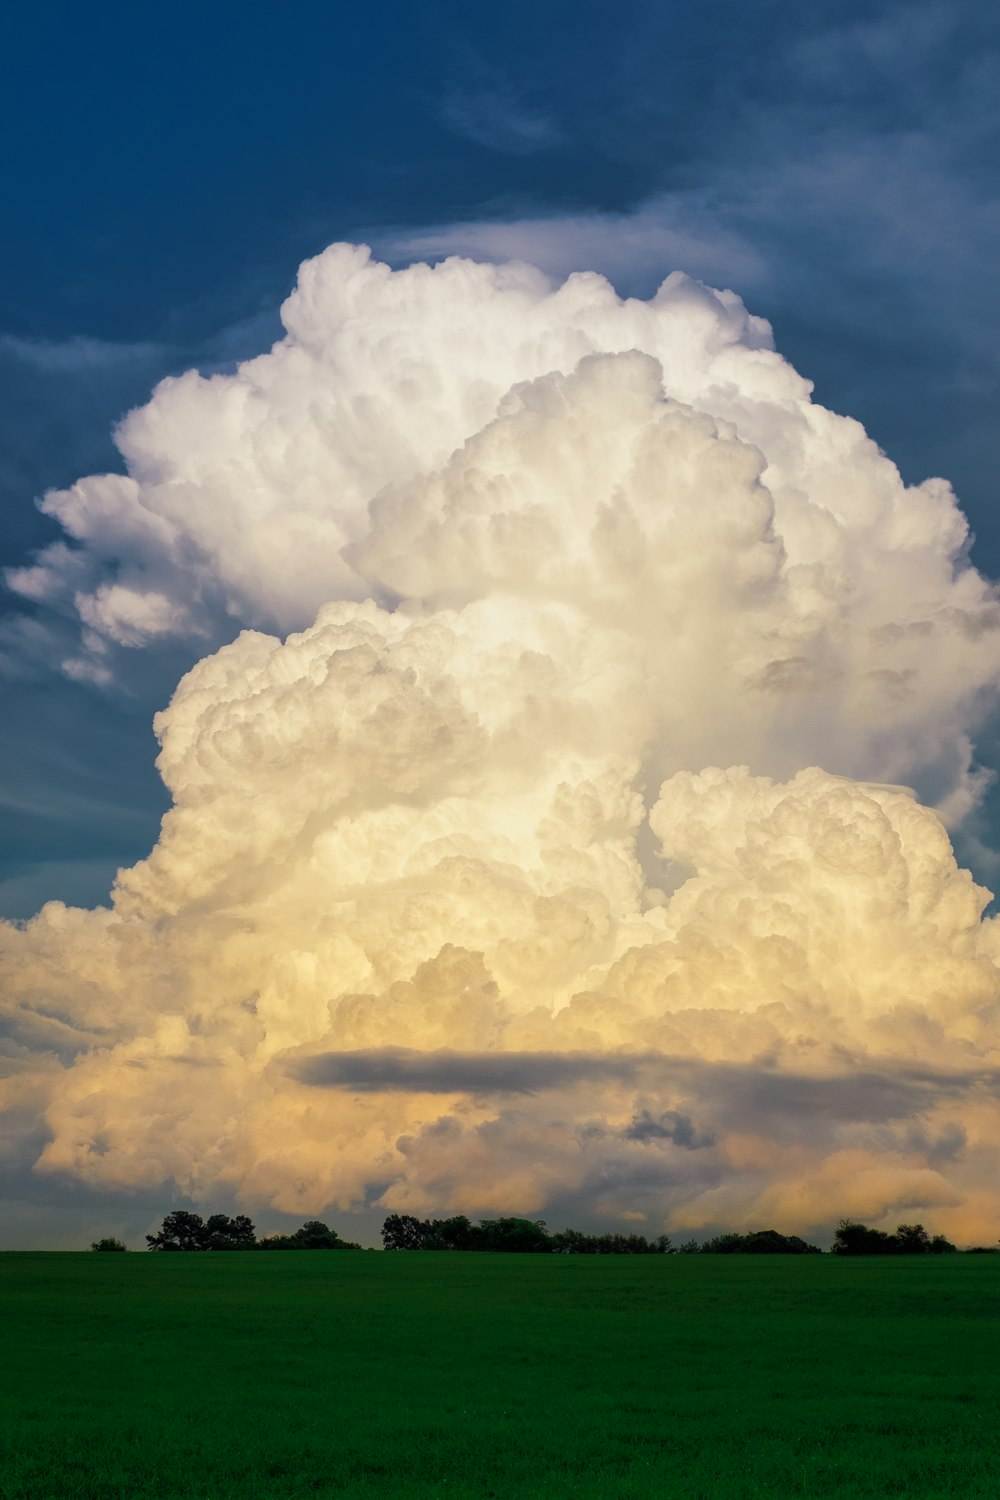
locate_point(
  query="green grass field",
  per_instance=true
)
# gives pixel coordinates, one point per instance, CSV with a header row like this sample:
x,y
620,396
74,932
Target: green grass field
x,y
360,1374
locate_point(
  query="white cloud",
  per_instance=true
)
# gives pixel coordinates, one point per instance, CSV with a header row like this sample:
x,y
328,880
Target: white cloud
x,y
567,552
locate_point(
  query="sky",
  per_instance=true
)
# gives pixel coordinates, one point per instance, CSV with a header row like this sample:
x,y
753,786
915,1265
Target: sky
x,y
406,466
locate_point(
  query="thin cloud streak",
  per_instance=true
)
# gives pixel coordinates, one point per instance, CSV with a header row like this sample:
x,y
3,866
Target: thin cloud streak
x,y
390,1069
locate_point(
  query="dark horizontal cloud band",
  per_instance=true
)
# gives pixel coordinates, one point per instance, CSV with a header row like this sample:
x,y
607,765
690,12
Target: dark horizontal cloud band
x,y
872,1093
385,1069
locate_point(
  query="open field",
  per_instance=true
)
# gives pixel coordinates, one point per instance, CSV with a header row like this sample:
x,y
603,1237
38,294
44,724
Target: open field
x,y
358,1374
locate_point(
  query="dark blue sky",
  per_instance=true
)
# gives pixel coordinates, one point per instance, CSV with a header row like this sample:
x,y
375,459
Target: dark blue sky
x,y
165,172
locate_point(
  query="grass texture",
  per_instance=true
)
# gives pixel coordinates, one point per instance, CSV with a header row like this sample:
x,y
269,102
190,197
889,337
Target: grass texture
x,y
205,1377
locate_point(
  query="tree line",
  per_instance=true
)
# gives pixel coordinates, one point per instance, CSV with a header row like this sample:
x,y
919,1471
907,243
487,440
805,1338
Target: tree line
x,y
185,1231
851,1238
182,1231
404,1232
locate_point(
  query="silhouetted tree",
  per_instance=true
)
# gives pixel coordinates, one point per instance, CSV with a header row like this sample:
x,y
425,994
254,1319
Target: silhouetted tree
x,y
313,1235
723,1244
451,1234
851,1238
403,1232
759,1242
182,1230
223,1233
572,1242
518,1235
109,1243
912,1239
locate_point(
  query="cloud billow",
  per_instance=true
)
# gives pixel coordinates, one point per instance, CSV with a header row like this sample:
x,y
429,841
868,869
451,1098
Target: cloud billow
x,y
669,1125
509,873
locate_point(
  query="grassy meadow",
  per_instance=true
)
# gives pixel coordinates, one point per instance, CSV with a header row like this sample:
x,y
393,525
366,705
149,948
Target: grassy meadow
x,y
198,1377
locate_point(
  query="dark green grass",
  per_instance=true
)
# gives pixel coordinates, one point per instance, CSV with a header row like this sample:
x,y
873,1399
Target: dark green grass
x,y
137,1376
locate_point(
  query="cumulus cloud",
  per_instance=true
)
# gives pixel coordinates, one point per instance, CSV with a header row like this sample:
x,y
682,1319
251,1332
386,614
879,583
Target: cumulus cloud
x,y
509,876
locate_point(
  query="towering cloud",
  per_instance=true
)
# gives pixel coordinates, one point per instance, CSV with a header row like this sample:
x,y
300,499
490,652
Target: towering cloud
x,y
510,878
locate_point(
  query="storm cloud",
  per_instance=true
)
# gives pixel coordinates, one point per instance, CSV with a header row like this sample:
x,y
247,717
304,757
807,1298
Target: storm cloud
x,y
567,820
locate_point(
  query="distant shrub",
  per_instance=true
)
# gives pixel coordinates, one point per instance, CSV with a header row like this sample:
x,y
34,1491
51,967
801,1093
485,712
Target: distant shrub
x,y
404,1232
758,1242
572,1242
520,1235
109,1243
313,1235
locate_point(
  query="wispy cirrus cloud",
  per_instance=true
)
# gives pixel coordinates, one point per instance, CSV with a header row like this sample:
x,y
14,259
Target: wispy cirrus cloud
x,y
488,111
